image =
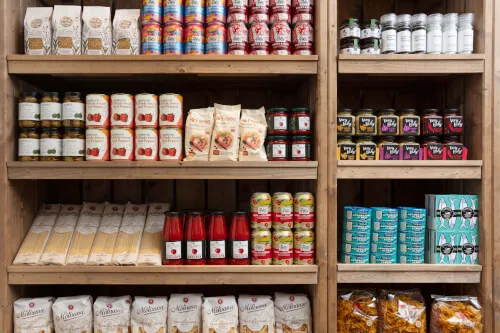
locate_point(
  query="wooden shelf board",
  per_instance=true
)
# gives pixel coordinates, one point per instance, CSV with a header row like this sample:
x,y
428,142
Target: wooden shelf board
x,y
183,64
162,275
162,170
405,64
401,273
409,169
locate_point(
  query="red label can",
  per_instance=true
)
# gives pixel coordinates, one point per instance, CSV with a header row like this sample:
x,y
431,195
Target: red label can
x,y
97,143
282,247
280,6
151,39
237,38
280,17
280,38
237,18
194,39
146,110
146,144
122,144
302,38
260,246
170,144
216,39
259,6
258,38
97,110
259,18
172,39
122,110
171,110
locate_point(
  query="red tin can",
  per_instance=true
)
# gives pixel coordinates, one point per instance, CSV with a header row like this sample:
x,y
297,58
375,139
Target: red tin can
x,y
280,38
258,38
237,38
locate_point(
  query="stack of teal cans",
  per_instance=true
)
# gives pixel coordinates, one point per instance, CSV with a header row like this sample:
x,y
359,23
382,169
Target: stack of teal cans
x,y
383,241
411,236
356,235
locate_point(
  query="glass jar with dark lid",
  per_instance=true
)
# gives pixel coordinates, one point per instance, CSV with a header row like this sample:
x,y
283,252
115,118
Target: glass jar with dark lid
x,y
389,148
277,121
73,144
370,46
346,122
366,148
432,122
346,148
418,33
403,34
300,148
388,24
350,45
453,122
366,122
388,122
409,122
350,29
410,148
370,29
454,148
277,148
300,121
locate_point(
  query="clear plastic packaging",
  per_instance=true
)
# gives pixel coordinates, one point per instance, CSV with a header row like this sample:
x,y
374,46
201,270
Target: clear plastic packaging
x,y
456,314
450,33
434,33
356,311
401,312
465,33
418,33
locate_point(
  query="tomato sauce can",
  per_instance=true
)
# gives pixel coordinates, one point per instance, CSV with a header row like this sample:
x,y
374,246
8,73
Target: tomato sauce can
x,y
146,144
260,247
216,39
280,38
171,111
151,39
303,247
237,38
122,111
97,110
172,39
302,38
303,211
216,11
280,17
258,38
194,39
280,6
146,110
97,144
282,253
122,144
259,6
170,144
282,211
237,11
151,11
195,11
260,211
173,11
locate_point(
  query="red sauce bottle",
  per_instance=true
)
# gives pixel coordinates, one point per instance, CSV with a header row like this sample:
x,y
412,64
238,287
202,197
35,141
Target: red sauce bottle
x,y
239,237
216,239
195,236
173,237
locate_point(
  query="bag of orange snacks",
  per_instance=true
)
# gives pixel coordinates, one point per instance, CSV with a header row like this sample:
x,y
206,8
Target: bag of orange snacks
x,y
356,311
401,312
456,314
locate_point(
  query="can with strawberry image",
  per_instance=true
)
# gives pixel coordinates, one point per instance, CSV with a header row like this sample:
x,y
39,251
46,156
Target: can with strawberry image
x,y
146,144
97,143
302,7
237,38
258,38
97,111
297,18
303,247
146,110
280,17
282,211
171,144
171,111
302,38
237,11
282,253
280,38
259,6
260,247
237,18
122,144
258,18
280,6
122,111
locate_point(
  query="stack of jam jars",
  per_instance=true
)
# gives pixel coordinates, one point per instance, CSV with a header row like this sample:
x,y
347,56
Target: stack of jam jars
x,y
289,134
441,134
73,121
29,127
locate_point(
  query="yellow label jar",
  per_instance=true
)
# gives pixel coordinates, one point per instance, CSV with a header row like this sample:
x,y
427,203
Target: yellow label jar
x,y
366,149
366,122
345,122
388,122
346,149
409,122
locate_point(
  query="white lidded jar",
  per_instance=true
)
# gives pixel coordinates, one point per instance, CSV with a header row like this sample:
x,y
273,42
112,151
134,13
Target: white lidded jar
x,y
466,33
388,24
418,33
434,33
403,34
450,33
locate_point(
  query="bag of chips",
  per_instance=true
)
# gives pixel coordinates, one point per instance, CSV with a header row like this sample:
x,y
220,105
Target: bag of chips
x,y
356,311
293,313
456,314
401,312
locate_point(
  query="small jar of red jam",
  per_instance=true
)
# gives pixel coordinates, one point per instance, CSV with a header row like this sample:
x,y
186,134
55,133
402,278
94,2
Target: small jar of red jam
x,y
453,122
300,122
432,122
433,149
300,148
277,121
277,148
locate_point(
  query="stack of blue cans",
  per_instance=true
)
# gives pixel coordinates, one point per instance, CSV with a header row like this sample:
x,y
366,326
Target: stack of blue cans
x,y
356,235
384,236
411,237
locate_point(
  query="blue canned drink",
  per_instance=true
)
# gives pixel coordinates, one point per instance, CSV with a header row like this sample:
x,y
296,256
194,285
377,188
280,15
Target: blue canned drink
x,y
384,214
173,11
411,259
413,226
151,11
194,39
384,248
216,39
385,225
384,237
412,237
383,259
411,248
355,258
357,226
216,11
356,237
173,39
412,214
194,11
151,39
353,213
349,248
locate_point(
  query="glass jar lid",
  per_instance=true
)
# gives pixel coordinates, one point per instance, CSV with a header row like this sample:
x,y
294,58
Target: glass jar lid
x,y
452,139
435,19
279,109
450,111
365,138
386,111
52,131
301,137
277,137
431,138
387,138
466,19
29,94
418,20
72,94
78,130
364,111
410,138
28,130
429,111
50,94
301,109
371,23
350,21
345,110
408,111
388,19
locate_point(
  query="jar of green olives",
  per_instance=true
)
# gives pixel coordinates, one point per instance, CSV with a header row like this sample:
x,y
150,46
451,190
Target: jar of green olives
x,y
50,110
29,110
73,144
28,144
50,144
73,110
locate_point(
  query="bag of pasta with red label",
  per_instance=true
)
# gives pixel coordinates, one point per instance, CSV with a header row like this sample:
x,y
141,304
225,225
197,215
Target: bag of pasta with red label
x,y
199,126
149,314
401,311
112,314
256,314
220,315
253,127
356,311
457,314
293,313
184,313
73,314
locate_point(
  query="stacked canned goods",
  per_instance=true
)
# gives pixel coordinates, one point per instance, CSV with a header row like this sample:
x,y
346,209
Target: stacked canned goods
x,y
356,235
146,127
97,134
171,124
151,34
29,128
411,238
122,127
384,235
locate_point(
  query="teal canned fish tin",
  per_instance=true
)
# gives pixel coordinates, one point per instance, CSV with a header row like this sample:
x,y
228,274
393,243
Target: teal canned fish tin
x,y
384,237
383,259
384,214
385,226
384,248
411,214
355,258
411,259
357,226
354,213
356,237
412,237
411,248
349,248
412,225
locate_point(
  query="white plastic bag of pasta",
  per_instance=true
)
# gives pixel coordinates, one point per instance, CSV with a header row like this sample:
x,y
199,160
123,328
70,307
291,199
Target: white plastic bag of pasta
x,y
253,128
96,33
73,314
226,135
67,30
33,315
220,315
126,32
152,237
256,314
184,313
38,30
293,313
199,126
149,314
112,314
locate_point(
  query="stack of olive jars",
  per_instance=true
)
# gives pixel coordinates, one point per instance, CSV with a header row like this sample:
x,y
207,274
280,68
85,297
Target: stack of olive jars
x,y
29,127
356,38
73,121
288,134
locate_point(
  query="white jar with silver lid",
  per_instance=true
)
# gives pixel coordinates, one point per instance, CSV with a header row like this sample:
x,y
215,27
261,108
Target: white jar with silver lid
x,y
450,33
403,34
388,24
434,33
418,33
465,33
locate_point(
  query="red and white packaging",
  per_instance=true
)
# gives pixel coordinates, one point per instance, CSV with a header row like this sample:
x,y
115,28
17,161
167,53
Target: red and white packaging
x,y
146,110
280,38
259,6
280,17
122,144
237,7
97,110
97,143
146,144
280,6
258,39
122,110
237,38
237,18
302,7
302,38
258,18
171,111
171,144
298,18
